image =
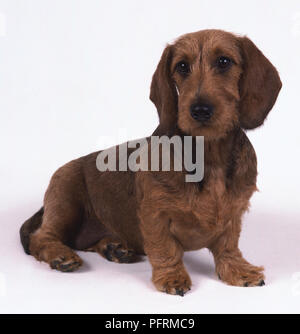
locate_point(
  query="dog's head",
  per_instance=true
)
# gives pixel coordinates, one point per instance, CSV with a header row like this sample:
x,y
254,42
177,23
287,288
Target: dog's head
x,y
211,81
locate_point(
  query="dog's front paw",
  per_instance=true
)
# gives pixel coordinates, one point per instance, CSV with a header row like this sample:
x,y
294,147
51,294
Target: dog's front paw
x,y
172,280
239,272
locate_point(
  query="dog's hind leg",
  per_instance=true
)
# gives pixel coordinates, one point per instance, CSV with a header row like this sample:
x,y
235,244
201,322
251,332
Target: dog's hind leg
x,y
63,213
49,242
59,256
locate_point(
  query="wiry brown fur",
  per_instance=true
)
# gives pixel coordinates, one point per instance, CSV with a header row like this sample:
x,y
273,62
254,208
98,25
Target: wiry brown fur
x,y
119,214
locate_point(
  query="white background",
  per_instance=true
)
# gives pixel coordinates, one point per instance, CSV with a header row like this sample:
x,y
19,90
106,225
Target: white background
x,y
74,75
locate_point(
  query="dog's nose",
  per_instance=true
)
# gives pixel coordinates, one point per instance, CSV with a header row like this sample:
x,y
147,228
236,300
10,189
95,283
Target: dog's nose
x,y
201,112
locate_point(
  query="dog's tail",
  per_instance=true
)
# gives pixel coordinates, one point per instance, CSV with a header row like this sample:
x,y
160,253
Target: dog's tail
x,y
30,226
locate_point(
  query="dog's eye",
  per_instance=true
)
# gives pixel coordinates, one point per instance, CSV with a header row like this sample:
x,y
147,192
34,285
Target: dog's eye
x,y
224,62
183,68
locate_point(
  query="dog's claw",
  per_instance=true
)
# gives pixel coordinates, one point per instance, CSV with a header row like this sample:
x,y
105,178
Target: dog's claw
x,y
180,292
119,252
261,283
69,267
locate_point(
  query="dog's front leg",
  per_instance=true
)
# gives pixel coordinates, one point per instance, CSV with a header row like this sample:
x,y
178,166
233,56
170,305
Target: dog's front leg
x,y
165,254
231,267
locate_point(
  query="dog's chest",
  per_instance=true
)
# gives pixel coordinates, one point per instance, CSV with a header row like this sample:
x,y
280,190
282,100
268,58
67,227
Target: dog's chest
x,y
205,214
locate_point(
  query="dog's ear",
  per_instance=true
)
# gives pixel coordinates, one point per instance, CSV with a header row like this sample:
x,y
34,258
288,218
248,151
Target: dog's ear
x,y
163,94
259,85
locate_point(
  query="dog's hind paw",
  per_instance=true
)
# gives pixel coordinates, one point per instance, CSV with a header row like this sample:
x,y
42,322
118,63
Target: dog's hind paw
x,y
66,264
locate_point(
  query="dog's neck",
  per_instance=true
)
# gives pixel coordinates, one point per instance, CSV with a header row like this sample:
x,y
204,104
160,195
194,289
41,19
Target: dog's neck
x,y
218,153
209,143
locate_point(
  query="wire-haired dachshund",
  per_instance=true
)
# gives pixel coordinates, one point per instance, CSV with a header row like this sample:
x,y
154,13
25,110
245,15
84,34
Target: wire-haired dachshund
x,y
209,83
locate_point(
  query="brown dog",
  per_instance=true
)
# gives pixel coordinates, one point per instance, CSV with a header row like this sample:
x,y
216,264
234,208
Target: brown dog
x,y
210,83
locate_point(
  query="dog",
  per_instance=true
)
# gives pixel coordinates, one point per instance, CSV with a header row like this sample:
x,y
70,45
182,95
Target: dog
x,y
209,83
